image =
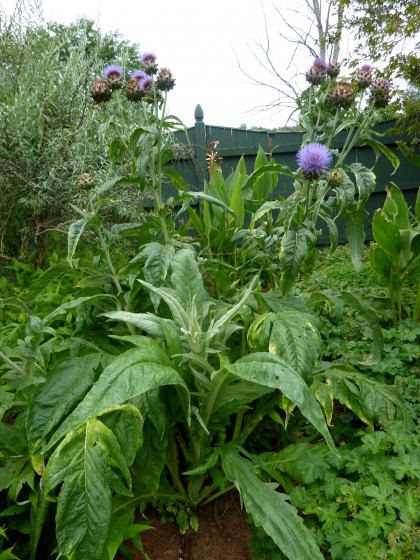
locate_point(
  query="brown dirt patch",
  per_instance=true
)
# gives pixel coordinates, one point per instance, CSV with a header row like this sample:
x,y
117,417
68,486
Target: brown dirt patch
x,y
223,535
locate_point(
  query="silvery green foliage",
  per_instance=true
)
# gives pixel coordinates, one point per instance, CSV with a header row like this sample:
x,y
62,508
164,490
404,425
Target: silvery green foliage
x,y
53,137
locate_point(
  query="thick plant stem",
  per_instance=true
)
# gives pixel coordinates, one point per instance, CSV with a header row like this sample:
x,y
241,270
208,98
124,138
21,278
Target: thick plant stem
x,y
157,177
218,494
416,310
213,396
238,424
346,150
172,464
114,275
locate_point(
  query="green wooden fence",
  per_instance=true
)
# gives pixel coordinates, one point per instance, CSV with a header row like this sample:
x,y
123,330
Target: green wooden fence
x,y
234,143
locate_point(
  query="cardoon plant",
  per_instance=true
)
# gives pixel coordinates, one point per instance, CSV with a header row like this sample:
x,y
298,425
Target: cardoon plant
x,y
148,86
326,187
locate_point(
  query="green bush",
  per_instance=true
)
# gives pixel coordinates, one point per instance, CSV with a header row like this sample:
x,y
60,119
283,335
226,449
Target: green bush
x,y
51,131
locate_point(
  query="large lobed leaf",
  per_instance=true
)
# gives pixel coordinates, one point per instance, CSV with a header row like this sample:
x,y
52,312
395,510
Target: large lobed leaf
x,y
133,373
295,338
83,463
295,248
66,385
271,371
371,401
269,508
188,282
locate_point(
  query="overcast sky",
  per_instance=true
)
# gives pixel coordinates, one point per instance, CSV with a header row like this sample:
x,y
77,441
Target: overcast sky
x,y
199,41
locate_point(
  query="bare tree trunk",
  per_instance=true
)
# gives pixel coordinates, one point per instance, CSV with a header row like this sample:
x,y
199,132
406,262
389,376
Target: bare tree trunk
x,y
316,9
339,31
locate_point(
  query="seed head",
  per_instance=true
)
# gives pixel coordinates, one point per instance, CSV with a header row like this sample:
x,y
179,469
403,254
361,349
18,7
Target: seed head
x,y
333,69
85,181
343,95
100,91
164,80
133,91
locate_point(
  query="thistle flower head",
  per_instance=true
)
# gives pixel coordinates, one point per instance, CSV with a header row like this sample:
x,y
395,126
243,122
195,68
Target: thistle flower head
x,y
364,76
148,62
318,72
100,91
333,68
314,159
320,63
335,178
342,95
145,84
380,92
85,181
164,80
138,75
114,75
133,91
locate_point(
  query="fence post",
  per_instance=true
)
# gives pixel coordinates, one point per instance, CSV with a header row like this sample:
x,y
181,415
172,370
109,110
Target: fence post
x,y
200,145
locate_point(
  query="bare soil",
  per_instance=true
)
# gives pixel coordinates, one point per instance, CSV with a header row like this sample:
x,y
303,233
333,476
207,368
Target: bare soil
x,y
223,534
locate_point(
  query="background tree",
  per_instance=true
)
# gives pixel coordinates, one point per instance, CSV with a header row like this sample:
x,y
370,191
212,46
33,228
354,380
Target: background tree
x,y
383,33
314,28
388,33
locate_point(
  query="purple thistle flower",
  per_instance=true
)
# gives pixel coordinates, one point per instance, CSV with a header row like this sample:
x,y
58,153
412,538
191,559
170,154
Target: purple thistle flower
x,y
138,75
366,68
148,62
113,72
317,72
147,58
114,75
314,159
320,63
145,84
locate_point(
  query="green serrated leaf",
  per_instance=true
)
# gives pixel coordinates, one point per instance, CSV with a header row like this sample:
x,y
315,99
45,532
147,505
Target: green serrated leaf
x,y
271,371
81,463
76,230
295,338
356,236
187,280
295,247
66,385
133,373
270,509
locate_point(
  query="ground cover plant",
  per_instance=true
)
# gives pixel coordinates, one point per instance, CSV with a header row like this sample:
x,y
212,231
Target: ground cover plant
x,y
132,375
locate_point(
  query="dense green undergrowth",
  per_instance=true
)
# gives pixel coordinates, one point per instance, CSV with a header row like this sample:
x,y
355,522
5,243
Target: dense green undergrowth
x,y
199,347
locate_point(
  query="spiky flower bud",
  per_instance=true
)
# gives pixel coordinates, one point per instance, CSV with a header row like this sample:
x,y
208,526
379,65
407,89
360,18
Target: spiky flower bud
x,y
380,92
133,91
148,63
333,69
114,75
164,80
318,72
343,95
335,178
100,91
85,181
363,76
